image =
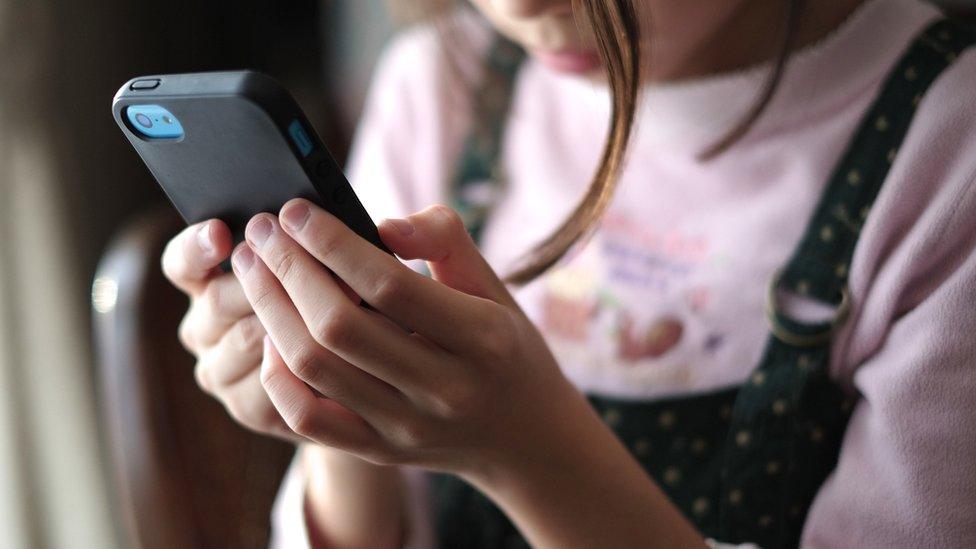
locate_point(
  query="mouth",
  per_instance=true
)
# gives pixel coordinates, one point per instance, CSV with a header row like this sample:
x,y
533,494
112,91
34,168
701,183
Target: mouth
x,y
576,62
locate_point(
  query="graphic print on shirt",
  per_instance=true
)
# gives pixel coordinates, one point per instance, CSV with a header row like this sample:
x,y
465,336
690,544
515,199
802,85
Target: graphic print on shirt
x,y
628,299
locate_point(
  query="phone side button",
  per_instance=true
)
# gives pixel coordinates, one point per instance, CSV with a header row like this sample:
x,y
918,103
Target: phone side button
x,y
300,138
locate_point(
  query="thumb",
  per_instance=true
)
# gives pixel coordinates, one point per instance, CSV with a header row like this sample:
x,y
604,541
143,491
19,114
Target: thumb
x,y
437,235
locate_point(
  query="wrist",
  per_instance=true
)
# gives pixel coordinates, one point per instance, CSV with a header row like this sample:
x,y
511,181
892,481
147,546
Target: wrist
x,y
351,502
517,463
549,445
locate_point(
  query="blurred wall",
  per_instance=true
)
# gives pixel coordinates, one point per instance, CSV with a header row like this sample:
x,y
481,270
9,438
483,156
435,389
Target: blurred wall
x,y
355,33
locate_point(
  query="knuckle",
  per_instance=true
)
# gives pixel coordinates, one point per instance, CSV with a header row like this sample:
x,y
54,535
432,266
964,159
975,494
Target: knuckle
x,y
267,416
168,260
449,222
305,365
201,373
389,289
261,417
269,378
328,242
301,421
334,328
185,334
412,435
255,416
448,217
179,255
285,266
263,296
248,333
214,298
499,340
456,400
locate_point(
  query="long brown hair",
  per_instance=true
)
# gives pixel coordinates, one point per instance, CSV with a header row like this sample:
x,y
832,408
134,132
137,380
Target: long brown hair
x,y
617,29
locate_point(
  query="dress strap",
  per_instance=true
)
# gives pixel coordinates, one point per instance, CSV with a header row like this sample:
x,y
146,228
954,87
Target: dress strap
x,y
819,266
789,417
478,179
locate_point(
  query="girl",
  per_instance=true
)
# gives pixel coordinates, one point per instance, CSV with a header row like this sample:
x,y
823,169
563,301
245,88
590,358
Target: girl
x,y
753,326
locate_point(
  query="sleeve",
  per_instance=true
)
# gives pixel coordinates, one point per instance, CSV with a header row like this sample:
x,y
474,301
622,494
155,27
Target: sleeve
x,y
289,530
907,470
906,475
288,518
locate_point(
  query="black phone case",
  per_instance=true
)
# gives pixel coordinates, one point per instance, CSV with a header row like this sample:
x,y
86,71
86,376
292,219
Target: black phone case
x,y
236,157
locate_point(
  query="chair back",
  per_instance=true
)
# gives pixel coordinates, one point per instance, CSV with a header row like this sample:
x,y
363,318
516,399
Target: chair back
x,y
185,474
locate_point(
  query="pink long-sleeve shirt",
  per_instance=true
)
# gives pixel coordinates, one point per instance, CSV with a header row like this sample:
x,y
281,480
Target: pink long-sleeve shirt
x,y
667,297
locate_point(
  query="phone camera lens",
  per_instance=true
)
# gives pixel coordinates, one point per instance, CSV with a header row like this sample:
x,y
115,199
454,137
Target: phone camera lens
x,y
144,120
167,119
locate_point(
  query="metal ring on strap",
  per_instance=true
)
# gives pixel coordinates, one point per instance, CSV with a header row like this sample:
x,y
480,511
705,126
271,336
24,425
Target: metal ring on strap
x,y
786,335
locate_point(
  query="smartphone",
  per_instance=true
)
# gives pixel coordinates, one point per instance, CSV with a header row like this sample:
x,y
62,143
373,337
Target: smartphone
x,y
229,145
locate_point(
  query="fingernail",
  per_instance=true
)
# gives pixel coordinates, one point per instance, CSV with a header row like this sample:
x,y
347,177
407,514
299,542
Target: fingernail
x,y
403,226
243,259
259,231
204,240
295,216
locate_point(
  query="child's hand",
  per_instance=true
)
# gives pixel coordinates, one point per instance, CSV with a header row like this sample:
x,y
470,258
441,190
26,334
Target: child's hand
x,y
448,374
220,329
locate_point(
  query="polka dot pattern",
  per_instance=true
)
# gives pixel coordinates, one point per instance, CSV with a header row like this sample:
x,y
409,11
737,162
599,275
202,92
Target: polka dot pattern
x,y
742,463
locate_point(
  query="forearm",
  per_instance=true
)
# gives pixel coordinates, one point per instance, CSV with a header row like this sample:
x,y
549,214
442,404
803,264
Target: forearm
x,y
576,485
350,502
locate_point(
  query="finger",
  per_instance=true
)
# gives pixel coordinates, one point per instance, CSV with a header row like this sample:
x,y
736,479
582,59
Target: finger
x,y
320,419
217,309
335,322
406,297
248,403
438,236
236,355
335,378
191,257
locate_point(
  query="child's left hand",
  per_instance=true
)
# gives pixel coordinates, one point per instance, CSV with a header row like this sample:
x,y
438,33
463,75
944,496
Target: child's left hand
x,y
449,374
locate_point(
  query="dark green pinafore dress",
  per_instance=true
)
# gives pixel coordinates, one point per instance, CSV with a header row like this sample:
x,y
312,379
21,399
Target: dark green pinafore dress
x,y
744,463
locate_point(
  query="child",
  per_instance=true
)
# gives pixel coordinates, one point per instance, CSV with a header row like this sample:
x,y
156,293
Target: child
x,y
764,339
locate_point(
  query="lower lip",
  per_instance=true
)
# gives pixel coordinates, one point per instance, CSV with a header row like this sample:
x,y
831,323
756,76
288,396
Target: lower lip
x,y
573,62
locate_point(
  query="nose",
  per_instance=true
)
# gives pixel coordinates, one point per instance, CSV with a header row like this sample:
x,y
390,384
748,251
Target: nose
x,y
532,8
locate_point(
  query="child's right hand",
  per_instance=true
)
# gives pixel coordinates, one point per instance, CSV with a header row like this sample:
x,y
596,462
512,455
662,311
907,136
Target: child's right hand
x,y
220,328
